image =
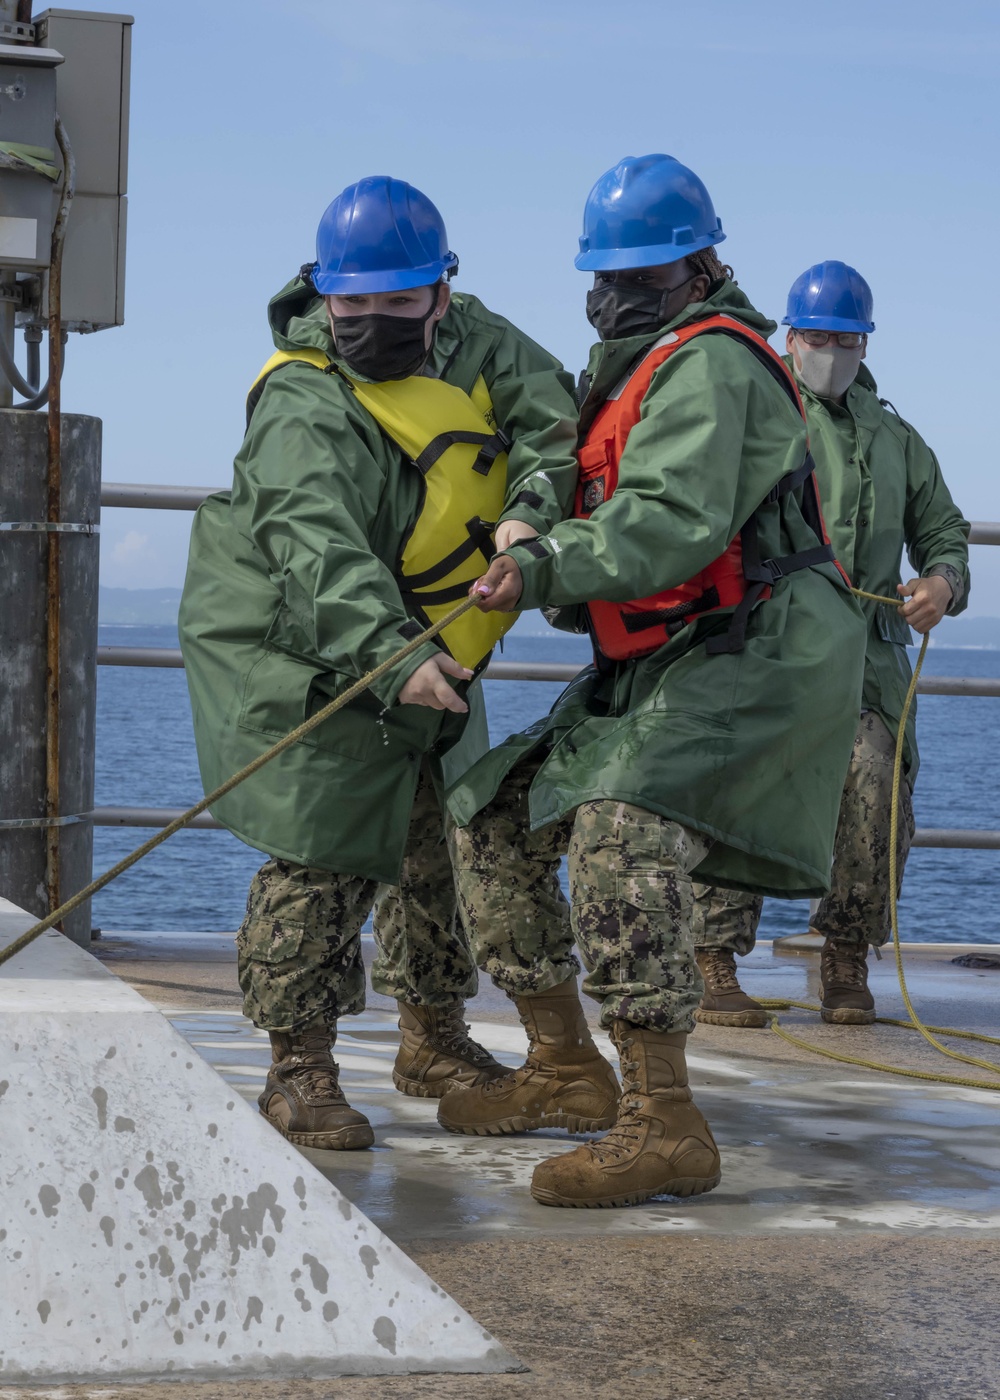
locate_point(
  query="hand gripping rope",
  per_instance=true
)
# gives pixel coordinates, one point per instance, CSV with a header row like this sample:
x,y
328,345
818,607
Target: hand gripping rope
x,y
313,722
363,684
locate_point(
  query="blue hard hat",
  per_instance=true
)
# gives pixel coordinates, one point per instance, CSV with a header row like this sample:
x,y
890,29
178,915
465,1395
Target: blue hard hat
x,y
647,211
380,235
830,297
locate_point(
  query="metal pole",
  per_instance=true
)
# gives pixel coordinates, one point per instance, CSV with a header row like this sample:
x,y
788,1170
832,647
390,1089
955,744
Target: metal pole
x,y
53,507
7,311
53,833
24,659
143,497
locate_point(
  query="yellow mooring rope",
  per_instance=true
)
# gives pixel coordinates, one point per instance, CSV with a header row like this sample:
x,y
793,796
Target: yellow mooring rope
x,y
914,1023
313,722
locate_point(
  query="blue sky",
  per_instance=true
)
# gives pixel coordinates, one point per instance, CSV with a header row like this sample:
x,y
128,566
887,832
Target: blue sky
x,y
865,131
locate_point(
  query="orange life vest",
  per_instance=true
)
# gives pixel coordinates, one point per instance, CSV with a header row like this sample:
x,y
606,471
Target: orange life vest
x,y
739,578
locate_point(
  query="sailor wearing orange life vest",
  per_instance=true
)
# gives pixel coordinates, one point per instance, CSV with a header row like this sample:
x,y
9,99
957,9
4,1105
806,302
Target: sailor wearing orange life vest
x,y
712,732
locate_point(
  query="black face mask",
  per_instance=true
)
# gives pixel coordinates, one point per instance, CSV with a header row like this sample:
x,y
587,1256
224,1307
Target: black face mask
x,y
383,347
620,309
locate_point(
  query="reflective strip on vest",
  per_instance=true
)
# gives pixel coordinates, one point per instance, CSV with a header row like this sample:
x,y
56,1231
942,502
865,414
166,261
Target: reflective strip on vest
x,y
452,439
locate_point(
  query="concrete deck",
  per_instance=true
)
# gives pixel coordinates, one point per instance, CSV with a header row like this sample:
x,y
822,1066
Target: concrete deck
x,y
853,1248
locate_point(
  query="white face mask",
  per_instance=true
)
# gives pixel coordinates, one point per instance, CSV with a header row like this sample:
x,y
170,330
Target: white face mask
x,y
830,370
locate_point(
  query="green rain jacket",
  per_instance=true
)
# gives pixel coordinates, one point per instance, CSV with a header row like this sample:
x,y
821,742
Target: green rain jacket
x,y
748,747
882,490
290,595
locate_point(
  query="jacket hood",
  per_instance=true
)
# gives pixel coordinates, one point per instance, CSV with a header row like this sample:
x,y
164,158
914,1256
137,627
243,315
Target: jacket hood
x,y
298,320
725,298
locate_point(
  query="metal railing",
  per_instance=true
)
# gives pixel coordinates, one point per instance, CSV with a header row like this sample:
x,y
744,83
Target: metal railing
x,y
535,671
138,496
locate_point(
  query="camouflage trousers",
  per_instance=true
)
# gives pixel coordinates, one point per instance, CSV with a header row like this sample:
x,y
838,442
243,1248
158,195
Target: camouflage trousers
x,y
857,908
630,912
299,946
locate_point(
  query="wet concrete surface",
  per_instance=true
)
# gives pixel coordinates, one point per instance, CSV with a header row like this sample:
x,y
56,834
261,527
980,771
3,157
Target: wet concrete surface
x,y
852,1249
808,1144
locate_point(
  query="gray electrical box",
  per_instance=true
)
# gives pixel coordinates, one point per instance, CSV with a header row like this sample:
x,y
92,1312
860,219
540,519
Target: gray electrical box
x,y
92,98
28,161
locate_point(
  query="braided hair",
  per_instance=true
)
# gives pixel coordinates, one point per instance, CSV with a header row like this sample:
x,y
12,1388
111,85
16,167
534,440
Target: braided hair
x,y
705,261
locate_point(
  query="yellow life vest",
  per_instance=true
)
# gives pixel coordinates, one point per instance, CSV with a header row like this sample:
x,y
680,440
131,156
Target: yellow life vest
x,y
452,439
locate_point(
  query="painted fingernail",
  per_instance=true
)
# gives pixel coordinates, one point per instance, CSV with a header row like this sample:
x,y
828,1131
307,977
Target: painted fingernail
x,y
483,591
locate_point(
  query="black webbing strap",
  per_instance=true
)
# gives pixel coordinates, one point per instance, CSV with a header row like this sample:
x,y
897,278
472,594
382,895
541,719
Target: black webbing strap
x,y
436,596
480,540
761,574
492,445
674,617
802,559
791,480
812,510
735,636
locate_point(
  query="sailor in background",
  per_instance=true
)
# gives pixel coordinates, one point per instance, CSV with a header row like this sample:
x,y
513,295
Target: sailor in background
x,y
394,431
882,492
711,734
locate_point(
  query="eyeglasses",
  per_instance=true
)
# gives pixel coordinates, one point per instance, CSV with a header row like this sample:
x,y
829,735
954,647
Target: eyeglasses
x,y
847,340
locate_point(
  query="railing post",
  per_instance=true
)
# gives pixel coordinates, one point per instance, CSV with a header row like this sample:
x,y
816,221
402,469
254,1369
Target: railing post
x,y
24,823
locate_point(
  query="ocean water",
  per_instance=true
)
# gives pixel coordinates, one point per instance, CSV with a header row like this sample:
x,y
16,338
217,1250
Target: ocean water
x,y
198,879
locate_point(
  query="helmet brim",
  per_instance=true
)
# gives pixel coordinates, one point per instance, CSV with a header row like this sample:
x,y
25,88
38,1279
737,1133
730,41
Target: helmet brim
x,y
827,323
655,255
385,280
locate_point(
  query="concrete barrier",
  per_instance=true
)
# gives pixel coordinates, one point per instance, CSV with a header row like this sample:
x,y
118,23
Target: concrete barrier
x,y
153,1225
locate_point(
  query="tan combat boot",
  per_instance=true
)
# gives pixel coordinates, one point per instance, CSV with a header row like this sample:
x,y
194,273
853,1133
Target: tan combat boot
x,y
724,1002
660,1145
437,1053
303,1098
843,975
564,1083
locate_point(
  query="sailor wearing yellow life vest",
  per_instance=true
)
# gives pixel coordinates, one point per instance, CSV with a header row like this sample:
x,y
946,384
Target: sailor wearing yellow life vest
x,y
395,432
712,732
